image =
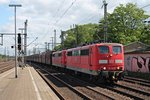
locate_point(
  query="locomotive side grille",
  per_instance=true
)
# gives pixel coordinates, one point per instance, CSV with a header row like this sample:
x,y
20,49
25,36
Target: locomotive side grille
x,y
118,61
103,61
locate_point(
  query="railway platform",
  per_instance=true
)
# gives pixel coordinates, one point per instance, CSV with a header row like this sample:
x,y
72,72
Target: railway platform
x,y
28,86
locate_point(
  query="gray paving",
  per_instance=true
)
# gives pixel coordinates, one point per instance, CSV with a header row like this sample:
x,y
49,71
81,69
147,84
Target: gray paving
x,y
28,86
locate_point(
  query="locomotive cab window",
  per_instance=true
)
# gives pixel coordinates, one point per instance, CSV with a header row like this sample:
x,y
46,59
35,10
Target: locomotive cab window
x,y
116,49
84,52
59,54
76,53
53,55
103,49
56,54
69,53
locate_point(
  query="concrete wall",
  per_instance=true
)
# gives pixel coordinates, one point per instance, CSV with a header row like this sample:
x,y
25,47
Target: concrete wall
x,y
137,62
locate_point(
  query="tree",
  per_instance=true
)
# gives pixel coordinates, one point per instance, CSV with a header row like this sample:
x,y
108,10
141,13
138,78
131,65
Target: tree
x,y
125,24
79,35
145,36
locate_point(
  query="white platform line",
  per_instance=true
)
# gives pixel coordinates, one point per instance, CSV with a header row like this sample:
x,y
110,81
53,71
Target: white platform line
x,y
35,87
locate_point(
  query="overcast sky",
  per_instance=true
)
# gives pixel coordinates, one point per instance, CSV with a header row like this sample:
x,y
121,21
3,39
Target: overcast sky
x,y
46,15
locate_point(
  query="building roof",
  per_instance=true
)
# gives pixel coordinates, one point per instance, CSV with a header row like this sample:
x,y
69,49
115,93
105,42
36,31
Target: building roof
x,y
137,47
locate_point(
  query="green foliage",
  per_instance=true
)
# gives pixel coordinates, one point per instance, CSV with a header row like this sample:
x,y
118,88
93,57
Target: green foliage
x,y
145,36
57,48
125,24
2,57
79,35
99,34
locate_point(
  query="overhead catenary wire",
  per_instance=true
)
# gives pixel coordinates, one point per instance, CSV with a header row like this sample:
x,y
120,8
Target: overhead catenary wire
x,y
90,17
65,12
60,6
33,41
93,16
57,11
145,6
61,16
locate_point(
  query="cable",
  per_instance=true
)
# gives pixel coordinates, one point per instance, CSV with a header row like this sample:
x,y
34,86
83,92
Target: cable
x,y
65,12
145,6
91,17
60,6
32,41
88,18
62,15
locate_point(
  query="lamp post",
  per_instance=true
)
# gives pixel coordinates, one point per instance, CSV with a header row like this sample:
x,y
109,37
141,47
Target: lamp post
x,y
25,40
52,42
54,38
105,20
15,6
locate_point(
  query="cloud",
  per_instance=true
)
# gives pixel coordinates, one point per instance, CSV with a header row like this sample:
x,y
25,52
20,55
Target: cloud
x,y
4,1
43,14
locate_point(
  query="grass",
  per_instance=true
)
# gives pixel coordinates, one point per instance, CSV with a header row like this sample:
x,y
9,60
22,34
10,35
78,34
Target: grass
x,y
2,57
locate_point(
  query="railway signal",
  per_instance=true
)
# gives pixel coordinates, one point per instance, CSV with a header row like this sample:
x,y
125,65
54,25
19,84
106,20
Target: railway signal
x,y
19,47
12,46
19,41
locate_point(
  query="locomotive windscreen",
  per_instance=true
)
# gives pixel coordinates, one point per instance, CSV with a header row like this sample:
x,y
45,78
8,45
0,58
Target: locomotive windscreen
x,y
104,49
116,49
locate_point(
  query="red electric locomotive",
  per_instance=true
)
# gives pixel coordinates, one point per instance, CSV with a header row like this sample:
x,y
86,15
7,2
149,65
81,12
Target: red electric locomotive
x,y
59,58
100,60
48,57
104,59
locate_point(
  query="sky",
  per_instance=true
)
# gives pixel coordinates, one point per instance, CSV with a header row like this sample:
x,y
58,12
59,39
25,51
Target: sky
x,y
46,15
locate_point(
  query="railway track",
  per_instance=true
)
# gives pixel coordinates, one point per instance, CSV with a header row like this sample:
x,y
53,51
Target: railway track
x,y
135,94
86,90
137,81
81,88
5,69
63,90
6,66
138,94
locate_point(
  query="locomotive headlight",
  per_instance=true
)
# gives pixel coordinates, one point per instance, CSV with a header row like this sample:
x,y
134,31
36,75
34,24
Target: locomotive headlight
x,y
118,68
104,68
